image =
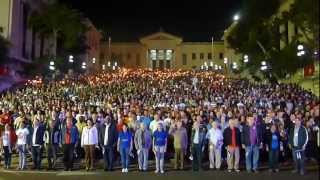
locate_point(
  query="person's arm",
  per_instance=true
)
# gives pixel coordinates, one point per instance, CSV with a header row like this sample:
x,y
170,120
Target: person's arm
x,y
82,136
136,144
306,139
243,136
118,144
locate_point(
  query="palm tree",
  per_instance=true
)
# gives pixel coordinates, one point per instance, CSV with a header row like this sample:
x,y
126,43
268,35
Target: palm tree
x,y
58,21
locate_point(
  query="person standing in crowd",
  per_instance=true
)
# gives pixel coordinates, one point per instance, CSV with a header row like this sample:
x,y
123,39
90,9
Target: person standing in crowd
x,y
142,141
37,143
125,146
215,143
273,147
7,141
70,136
154,123
180,142
160,147
52,142
298,139
108,141
198,135
232,141
22,134
251,139
89,140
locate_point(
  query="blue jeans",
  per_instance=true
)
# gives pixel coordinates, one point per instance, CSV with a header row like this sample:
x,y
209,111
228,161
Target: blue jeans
x,y
298,157
143,157
22,156
124,153
7,156
36,156
273,158
108,157
252,157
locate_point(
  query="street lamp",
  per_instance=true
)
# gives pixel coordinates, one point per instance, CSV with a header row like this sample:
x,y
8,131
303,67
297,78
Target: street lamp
x,y
236,17
211,64
103,67
84,65
234,65
93,60
301,51
109,64
245,58
71,59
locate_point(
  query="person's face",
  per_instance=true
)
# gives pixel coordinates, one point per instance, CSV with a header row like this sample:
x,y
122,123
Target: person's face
x,y
35,123
297,122
179,124
231,123
273,128
159,127
7,127
250,121
89,123
214,125
124,128
142,126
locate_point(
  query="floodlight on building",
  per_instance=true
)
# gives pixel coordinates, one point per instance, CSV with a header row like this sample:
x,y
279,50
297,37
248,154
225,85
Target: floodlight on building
x,y
225,60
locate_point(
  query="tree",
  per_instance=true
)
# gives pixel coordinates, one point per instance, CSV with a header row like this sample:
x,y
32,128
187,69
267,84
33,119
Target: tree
x,y
59,22
257,35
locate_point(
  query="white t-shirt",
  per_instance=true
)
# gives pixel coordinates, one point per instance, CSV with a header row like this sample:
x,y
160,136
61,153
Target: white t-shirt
x,y
22,136
214,136
6,138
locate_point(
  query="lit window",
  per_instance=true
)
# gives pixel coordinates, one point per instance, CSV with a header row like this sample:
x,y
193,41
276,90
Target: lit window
x,y
153,54
168,54
160,54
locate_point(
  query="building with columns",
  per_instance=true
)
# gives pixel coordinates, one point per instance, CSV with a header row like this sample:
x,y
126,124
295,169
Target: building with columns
x,y
162,50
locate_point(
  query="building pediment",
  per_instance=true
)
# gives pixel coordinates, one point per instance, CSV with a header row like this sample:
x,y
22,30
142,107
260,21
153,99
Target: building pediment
x,y
160,36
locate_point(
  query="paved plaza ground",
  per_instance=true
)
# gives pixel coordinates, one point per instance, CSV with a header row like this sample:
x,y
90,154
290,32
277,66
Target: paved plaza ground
x,y
171,175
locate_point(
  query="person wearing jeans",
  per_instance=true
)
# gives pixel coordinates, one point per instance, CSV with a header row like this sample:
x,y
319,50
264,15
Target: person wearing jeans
x,y
142,141
125,147
298,139
6,143
251,139
36,144
160,147
52,142
273,147
22,134
198,135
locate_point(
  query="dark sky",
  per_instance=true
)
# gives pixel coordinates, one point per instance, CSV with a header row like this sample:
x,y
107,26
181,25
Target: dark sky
x,y
127,20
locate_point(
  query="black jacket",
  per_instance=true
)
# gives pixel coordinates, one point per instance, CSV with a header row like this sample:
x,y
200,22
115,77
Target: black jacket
x,y
227,136
112,135
245,136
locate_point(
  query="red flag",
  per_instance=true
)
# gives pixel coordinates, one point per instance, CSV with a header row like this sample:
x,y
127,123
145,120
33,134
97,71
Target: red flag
x,y
309,70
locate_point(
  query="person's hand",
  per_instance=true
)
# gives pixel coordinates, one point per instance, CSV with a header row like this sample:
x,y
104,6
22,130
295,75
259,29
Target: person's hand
x,y
261,146
118,149
243,146
267,148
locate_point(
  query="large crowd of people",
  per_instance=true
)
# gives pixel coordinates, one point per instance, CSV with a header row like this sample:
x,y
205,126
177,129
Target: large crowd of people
x,y
192,117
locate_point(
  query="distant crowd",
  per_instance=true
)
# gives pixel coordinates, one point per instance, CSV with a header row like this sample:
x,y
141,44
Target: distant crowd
x,y
190,117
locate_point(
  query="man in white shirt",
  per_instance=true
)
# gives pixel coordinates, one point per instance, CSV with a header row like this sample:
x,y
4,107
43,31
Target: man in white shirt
x,y
22,134
89,140
37,142
155,122
215,143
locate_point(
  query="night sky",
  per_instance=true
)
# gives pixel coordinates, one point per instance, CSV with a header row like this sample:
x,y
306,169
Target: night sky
x,y
128,20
